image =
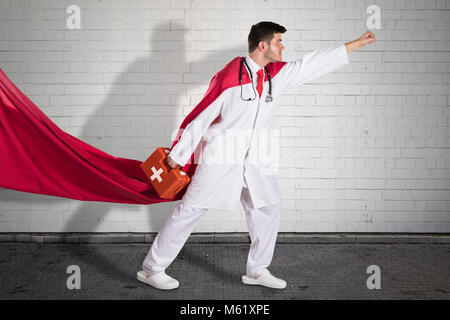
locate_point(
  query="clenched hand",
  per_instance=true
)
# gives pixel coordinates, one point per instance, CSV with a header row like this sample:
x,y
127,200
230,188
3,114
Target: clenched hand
x,y
172,164
367,38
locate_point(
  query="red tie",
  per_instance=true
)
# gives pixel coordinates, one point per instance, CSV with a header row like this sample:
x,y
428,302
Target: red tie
x,y
260,81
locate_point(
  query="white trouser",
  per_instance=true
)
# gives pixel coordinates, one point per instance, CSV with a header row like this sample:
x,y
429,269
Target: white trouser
x,y
262,225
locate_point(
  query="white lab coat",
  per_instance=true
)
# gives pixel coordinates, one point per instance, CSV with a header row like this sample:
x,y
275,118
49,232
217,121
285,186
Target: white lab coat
x,y
230,156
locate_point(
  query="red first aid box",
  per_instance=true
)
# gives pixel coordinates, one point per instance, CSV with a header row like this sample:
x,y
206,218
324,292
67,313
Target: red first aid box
x,y
166,181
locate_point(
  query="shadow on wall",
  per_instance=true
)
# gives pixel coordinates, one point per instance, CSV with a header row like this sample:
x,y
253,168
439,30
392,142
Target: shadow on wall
x,y
138,85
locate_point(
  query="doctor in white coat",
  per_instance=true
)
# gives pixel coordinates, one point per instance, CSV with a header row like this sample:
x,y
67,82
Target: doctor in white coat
x,y
234,163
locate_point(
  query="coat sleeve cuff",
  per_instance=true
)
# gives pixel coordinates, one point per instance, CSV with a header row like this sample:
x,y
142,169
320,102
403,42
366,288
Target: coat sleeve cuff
x,y
343,55
175,157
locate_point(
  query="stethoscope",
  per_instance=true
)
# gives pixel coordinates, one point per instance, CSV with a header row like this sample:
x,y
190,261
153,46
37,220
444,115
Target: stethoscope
x,y
269,96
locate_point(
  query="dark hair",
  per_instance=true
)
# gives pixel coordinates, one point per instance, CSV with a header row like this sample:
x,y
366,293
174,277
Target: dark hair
x,y
263,31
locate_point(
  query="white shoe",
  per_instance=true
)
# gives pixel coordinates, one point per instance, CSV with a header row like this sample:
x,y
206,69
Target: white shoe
x,y
159,281
266,280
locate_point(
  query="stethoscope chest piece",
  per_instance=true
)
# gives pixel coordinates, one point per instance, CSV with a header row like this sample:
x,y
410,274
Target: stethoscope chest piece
x,y
269,98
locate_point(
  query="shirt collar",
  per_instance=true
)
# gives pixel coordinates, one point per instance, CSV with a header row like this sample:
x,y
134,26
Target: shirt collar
x,y
254,67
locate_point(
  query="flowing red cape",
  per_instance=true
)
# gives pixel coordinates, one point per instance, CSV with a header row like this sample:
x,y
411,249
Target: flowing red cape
x,y
36,156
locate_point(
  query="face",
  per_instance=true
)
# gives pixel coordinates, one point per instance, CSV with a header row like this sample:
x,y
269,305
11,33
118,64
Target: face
x,y
274,50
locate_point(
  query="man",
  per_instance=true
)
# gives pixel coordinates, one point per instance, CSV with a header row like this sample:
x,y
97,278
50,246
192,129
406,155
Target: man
x,y
239,100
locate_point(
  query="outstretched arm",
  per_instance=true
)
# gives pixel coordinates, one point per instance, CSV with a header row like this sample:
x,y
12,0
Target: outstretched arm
x,y
318,63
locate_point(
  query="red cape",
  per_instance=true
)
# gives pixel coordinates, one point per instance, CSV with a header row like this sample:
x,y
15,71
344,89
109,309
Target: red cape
x,y
37,156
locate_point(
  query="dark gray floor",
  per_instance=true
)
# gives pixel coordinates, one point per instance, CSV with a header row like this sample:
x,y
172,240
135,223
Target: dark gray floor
x,y
213,271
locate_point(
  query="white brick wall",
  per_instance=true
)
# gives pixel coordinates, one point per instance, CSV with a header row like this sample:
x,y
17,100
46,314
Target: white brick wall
x,y
366,149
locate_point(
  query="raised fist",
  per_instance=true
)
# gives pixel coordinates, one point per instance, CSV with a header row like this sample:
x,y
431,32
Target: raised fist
x,y
366,38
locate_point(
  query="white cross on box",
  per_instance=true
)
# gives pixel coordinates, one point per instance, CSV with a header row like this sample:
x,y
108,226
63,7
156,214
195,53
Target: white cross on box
x,y
156,174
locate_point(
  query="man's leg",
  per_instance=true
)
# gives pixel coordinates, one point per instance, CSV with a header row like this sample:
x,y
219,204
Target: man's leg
x,y
171,238
263,224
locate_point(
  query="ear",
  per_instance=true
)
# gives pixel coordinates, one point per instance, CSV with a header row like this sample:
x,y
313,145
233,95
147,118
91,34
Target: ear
x,y
262,45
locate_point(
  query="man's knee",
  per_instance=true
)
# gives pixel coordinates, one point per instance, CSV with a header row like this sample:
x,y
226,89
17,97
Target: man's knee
x,y
186,211
274,208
